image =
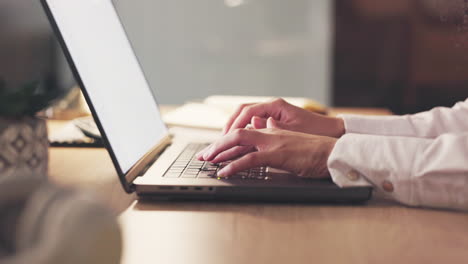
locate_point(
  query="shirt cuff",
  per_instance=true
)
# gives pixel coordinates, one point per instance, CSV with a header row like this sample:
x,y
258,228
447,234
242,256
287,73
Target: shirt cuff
x,y
342,173
369,160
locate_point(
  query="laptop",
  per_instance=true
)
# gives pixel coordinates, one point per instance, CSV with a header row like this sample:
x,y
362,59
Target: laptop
x,y
148,159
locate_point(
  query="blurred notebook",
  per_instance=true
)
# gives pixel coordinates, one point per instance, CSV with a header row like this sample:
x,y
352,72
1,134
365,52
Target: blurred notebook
x,y
214,111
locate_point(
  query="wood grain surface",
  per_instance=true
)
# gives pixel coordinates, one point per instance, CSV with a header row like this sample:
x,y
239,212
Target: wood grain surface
x,y
200,232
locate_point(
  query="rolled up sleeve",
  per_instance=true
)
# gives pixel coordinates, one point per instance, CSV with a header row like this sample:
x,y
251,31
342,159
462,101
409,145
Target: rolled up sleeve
x,y
414,171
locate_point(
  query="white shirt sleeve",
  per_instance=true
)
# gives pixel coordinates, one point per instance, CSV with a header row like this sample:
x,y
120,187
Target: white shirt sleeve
x,y
414,171
428,124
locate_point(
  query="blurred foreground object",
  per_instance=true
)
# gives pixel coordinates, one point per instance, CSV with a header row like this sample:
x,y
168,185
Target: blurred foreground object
x,y
43,224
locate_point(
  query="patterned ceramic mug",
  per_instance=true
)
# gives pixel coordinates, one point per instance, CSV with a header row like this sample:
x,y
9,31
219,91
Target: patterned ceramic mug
x,y
23,147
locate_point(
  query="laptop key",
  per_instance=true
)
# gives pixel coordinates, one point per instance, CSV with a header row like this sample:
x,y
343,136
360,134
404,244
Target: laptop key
x,y
187,166
209,167
205,174
178,167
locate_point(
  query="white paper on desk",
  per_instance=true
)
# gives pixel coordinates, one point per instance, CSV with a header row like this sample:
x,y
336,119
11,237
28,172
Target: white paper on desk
x,y
69,133
229,103
215,110
198,115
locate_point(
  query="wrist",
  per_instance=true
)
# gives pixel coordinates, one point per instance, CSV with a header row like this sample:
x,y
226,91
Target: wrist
x,y
335,127
330,145
340,127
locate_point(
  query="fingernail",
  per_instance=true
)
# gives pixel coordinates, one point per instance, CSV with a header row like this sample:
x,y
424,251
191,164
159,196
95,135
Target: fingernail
x,y
253,119
207,156
222,172
270,122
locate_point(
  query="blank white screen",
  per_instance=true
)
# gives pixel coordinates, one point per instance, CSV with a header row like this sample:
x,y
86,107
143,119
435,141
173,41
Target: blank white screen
x,y
111,75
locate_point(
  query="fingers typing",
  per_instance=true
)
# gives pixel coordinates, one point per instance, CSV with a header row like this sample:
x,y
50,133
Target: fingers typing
x,y
232,153
251,160
262,110
240,137
233,118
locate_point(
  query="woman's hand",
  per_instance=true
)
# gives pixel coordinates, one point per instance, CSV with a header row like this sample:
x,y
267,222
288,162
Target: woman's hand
x,y
287,117
302,154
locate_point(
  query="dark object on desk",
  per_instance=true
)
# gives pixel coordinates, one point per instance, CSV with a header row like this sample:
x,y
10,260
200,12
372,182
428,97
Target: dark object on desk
x,y
28,99
77,133
44,224
89,143
88,127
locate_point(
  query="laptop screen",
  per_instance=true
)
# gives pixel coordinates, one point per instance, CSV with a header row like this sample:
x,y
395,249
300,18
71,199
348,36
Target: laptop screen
x,y
112,77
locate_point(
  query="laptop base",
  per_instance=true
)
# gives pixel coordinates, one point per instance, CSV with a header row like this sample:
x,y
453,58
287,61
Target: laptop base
x,y
326,193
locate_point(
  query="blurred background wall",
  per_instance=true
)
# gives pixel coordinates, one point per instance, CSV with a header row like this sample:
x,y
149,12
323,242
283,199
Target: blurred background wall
x,y
407,55
192,49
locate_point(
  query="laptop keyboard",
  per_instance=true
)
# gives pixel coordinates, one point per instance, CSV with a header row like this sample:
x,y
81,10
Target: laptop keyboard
x,y
188,166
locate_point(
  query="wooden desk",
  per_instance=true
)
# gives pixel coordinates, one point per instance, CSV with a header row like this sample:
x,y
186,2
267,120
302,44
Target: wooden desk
x,y
205,233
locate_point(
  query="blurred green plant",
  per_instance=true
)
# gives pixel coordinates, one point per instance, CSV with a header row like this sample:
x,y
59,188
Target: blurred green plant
x,y
29,98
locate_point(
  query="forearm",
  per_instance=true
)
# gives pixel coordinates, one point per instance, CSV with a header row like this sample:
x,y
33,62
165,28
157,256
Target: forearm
x,y
428,124
420,172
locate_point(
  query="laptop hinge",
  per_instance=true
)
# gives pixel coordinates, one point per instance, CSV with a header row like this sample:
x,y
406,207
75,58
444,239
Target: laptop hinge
x,y
145,169
132,186
147,160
